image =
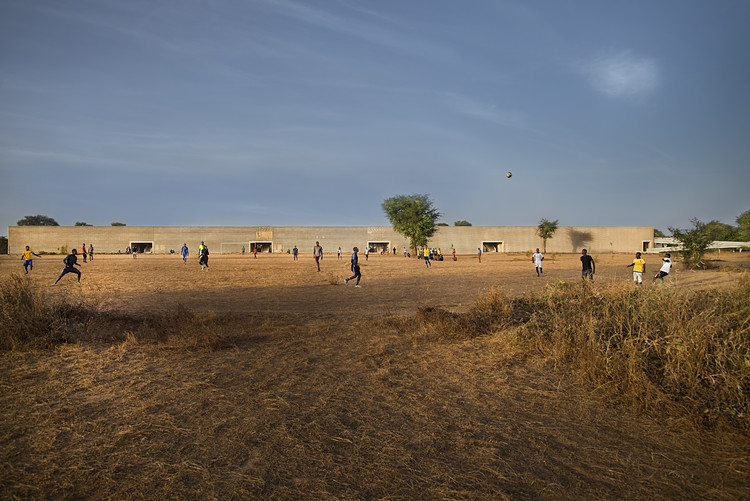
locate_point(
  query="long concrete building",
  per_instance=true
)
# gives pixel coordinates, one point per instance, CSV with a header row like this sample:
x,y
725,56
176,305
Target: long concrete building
x,y
231,239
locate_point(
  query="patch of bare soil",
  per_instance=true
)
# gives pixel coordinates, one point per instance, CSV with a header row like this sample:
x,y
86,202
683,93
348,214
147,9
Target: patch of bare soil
x,y
323,391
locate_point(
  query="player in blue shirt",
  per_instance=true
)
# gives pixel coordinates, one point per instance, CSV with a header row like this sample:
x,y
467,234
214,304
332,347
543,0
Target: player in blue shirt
x,y
355,269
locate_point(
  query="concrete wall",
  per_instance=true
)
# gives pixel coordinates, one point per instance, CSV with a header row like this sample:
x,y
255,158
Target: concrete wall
x,y
224,239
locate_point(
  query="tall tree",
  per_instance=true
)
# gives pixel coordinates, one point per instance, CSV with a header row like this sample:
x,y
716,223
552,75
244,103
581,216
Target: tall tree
x,y
545,230
694,243
38,220
743,226
721,231
413,216
3,245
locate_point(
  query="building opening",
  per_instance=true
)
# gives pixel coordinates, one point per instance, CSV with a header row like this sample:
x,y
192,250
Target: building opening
x,y
384,247
492,247
142,247
261,246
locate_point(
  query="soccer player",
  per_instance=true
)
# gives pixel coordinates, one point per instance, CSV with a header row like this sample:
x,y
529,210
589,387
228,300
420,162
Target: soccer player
x,y
185,252
28,264
537,259
71,261
479,254
203,258
588,266
639,268
318,254
355,269
665,268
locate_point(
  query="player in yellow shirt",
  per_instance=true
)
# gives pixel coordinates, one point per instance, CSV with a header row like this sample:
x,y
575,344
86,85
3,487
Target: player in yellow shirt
x,y
28,263
639,268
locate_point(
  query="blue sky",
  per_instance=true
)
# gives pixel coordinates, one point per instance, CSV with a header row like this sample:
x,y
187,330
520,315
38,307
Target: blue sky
x,y
283,112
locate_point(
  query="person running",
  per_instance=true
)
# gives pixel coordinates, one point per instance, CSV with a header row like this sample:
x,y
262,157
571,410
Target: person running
x,y
83,251
91,252
71,261
537,259
426,255
185,252
28,263
639,268
588,266
203,258
318,254
356,273
666,267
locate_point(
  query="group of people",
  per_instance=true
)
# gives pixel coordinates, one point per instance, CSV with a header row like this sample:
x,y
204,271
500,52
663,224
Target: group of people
x,y
639,268
588,265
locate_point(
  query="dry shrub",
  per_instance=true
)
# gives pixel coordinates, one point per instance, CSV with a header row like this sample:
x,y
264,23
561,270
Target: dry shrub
x,y
29,320
182,328
492,310
666,350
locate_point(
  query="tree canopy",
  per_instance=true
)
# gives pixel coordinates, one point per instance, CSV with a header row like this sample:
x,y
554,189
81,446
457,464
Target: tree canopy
x,y
462,223
545,230
695,243
743,226
81,223
413,216
38,220
118,224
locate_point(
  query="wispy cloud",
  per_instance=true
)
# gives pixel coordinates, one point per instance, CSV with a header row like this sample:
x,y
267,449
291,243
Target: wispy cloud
x,y
387,35
470,107
622,75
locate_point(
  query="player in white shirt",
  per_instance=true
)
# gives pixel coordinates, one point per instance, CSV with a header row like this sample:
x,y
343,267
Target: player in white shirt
x,y
537,259
665,268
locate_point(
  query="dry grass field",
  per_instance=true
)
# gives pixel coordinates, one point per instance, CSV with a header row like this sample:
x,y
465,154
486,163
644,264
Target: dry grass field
x,y
264,379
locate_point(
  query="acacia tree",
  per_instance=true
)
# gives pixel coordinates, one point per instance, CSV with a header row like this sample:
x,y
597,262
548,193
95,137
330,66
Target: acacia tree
x,y
694,242
38,220
413,216
545,230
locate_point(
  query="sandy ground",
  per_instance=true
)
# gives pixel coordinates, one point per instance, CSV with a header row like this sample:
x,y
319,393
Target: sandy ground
x,y
323,395
390,284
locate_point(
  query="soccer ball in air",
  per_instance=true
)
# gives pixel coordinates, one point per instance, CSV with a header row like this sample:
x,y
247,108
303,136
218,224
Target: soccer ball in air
x,y
508,174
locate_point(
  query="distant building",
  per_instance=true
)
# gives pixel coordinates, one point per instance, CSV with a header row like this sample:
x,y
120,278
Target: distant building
x,y
231,239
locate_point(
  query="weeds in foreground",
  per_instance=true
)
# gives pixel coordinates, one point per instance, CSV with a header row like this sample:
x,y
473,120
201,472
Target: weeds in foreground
x,y
31,320
666,350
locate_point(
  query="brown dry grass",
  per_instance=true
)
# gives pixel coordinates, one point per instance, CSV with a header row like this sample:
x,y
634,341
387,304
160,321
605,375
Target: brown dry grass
x,y
260,379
